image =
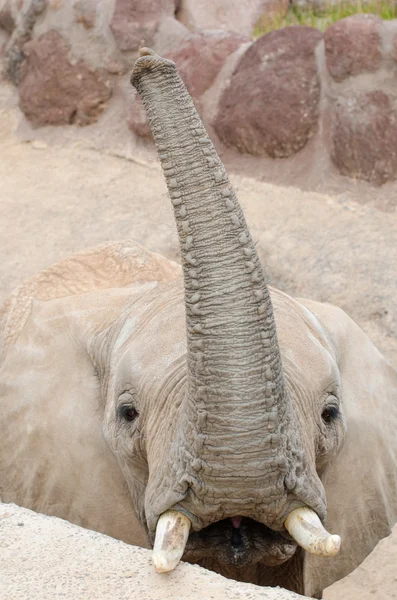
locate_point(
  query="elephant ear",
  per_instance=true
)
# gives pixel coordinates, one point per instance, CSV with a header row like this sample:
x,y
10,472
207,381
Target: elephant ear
x,y
361,482
53,455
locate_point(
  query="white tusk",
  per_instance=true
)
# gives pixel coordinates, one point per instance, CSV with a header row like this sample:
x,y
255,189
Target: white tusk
x,y
172,531
304,525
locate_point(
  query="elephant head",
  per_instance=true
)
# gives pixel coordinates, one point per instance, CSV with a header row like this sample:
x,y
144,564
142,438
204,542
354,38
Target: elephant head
x,y
233,421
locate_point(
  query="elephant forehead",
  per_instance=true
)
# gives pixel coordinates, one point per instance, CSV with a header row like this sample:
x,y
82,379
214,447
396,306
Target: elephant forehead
x,y
303,341
153,336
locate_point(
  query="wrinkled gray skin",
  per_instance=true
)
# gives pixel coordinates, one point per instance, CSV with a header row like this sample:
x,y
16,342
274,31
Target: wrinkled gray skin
x,y
121,396
233,355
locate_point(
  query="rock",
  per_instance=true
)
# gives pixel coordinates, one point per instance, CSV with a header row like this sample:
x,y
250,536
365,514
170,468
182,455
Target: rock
x,y
229,15
272,101
170,36
353,46
134,23
7,16
202,57
85,13
136,117
22,33
199,61
52,91
59,559
364,133
85,24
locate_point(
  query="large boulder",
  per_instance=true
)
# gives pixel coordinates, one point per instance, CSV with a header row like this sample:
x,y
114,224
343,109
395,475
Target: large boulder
x,y
230,15
364,134
53,90
135,23
199,60
353,46
272,101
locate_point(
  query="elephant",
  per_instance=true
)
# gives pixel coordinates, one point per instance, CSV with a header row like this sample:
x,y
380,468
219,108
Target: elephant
x,y
197,410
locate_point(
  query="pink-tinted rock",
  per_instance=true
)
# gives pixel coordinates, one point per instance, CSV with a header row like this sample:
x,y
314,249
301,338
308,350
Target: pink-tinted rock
x,y
364,134
271,104
202,57
353,46
52,91
199,61
136,118
135,22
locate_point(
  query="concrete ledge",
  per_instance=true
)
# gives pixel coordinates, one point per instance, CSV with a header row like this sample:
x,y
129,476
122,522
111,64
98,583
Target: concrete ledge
x,y
44,558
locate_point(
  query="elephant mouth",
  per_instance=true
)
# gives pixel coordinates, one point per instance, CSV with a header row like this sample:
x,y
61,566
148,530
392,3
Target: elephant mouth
x,y
239,541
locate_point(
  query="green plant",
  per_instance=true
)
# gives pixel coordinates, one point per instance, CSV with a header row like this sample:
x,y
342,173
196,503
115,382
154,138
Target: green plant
x,y
321,17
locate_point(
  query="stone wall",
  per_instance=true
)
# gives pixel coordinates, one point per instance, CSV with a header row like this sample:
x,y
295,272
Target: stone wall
x,y
271,98
295,83
44,558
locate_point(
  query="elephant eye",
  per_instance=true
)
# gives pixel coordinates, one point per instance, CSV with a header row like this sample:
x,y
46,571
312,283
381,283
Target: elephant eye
x,y
330,414
128,413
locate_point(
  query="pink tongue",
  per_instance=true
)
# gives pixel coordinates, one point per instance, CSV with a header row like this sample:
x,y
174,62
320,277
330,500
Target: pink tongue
x,y
236,521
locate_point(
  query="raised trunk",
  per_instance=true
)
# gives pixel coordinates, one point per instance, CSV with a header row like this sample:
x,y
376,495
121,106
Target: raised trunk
x,y
234,448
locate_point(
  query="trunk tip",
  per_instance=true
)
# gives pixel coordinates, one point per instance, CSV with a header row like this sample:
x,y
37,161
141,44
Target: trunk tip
x,y
147,52
148,61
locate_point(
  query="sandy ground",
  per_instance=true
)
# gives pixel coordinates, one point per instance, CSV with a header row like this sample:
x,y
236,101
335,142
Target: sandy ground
x,y
57,200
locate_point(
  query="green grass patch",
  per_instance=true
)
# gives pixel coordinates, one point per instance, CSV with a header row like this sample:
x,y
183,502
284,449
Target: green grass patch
x,y
323,16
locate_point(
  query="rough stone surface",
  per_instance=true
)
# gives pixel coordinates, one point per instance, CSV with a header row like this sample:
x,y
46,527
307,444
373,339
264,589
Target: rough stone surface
x,y
136,116
53,91
86,13
271,104
199,61
364,134
202,57
229,15
353,46
135,23
7,16
22,33
170,36
58,559
85,24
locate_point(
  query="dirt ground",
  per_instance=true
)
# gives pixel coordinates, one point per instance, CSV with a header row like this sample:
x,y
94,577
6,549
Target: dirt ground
x,y
56,200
